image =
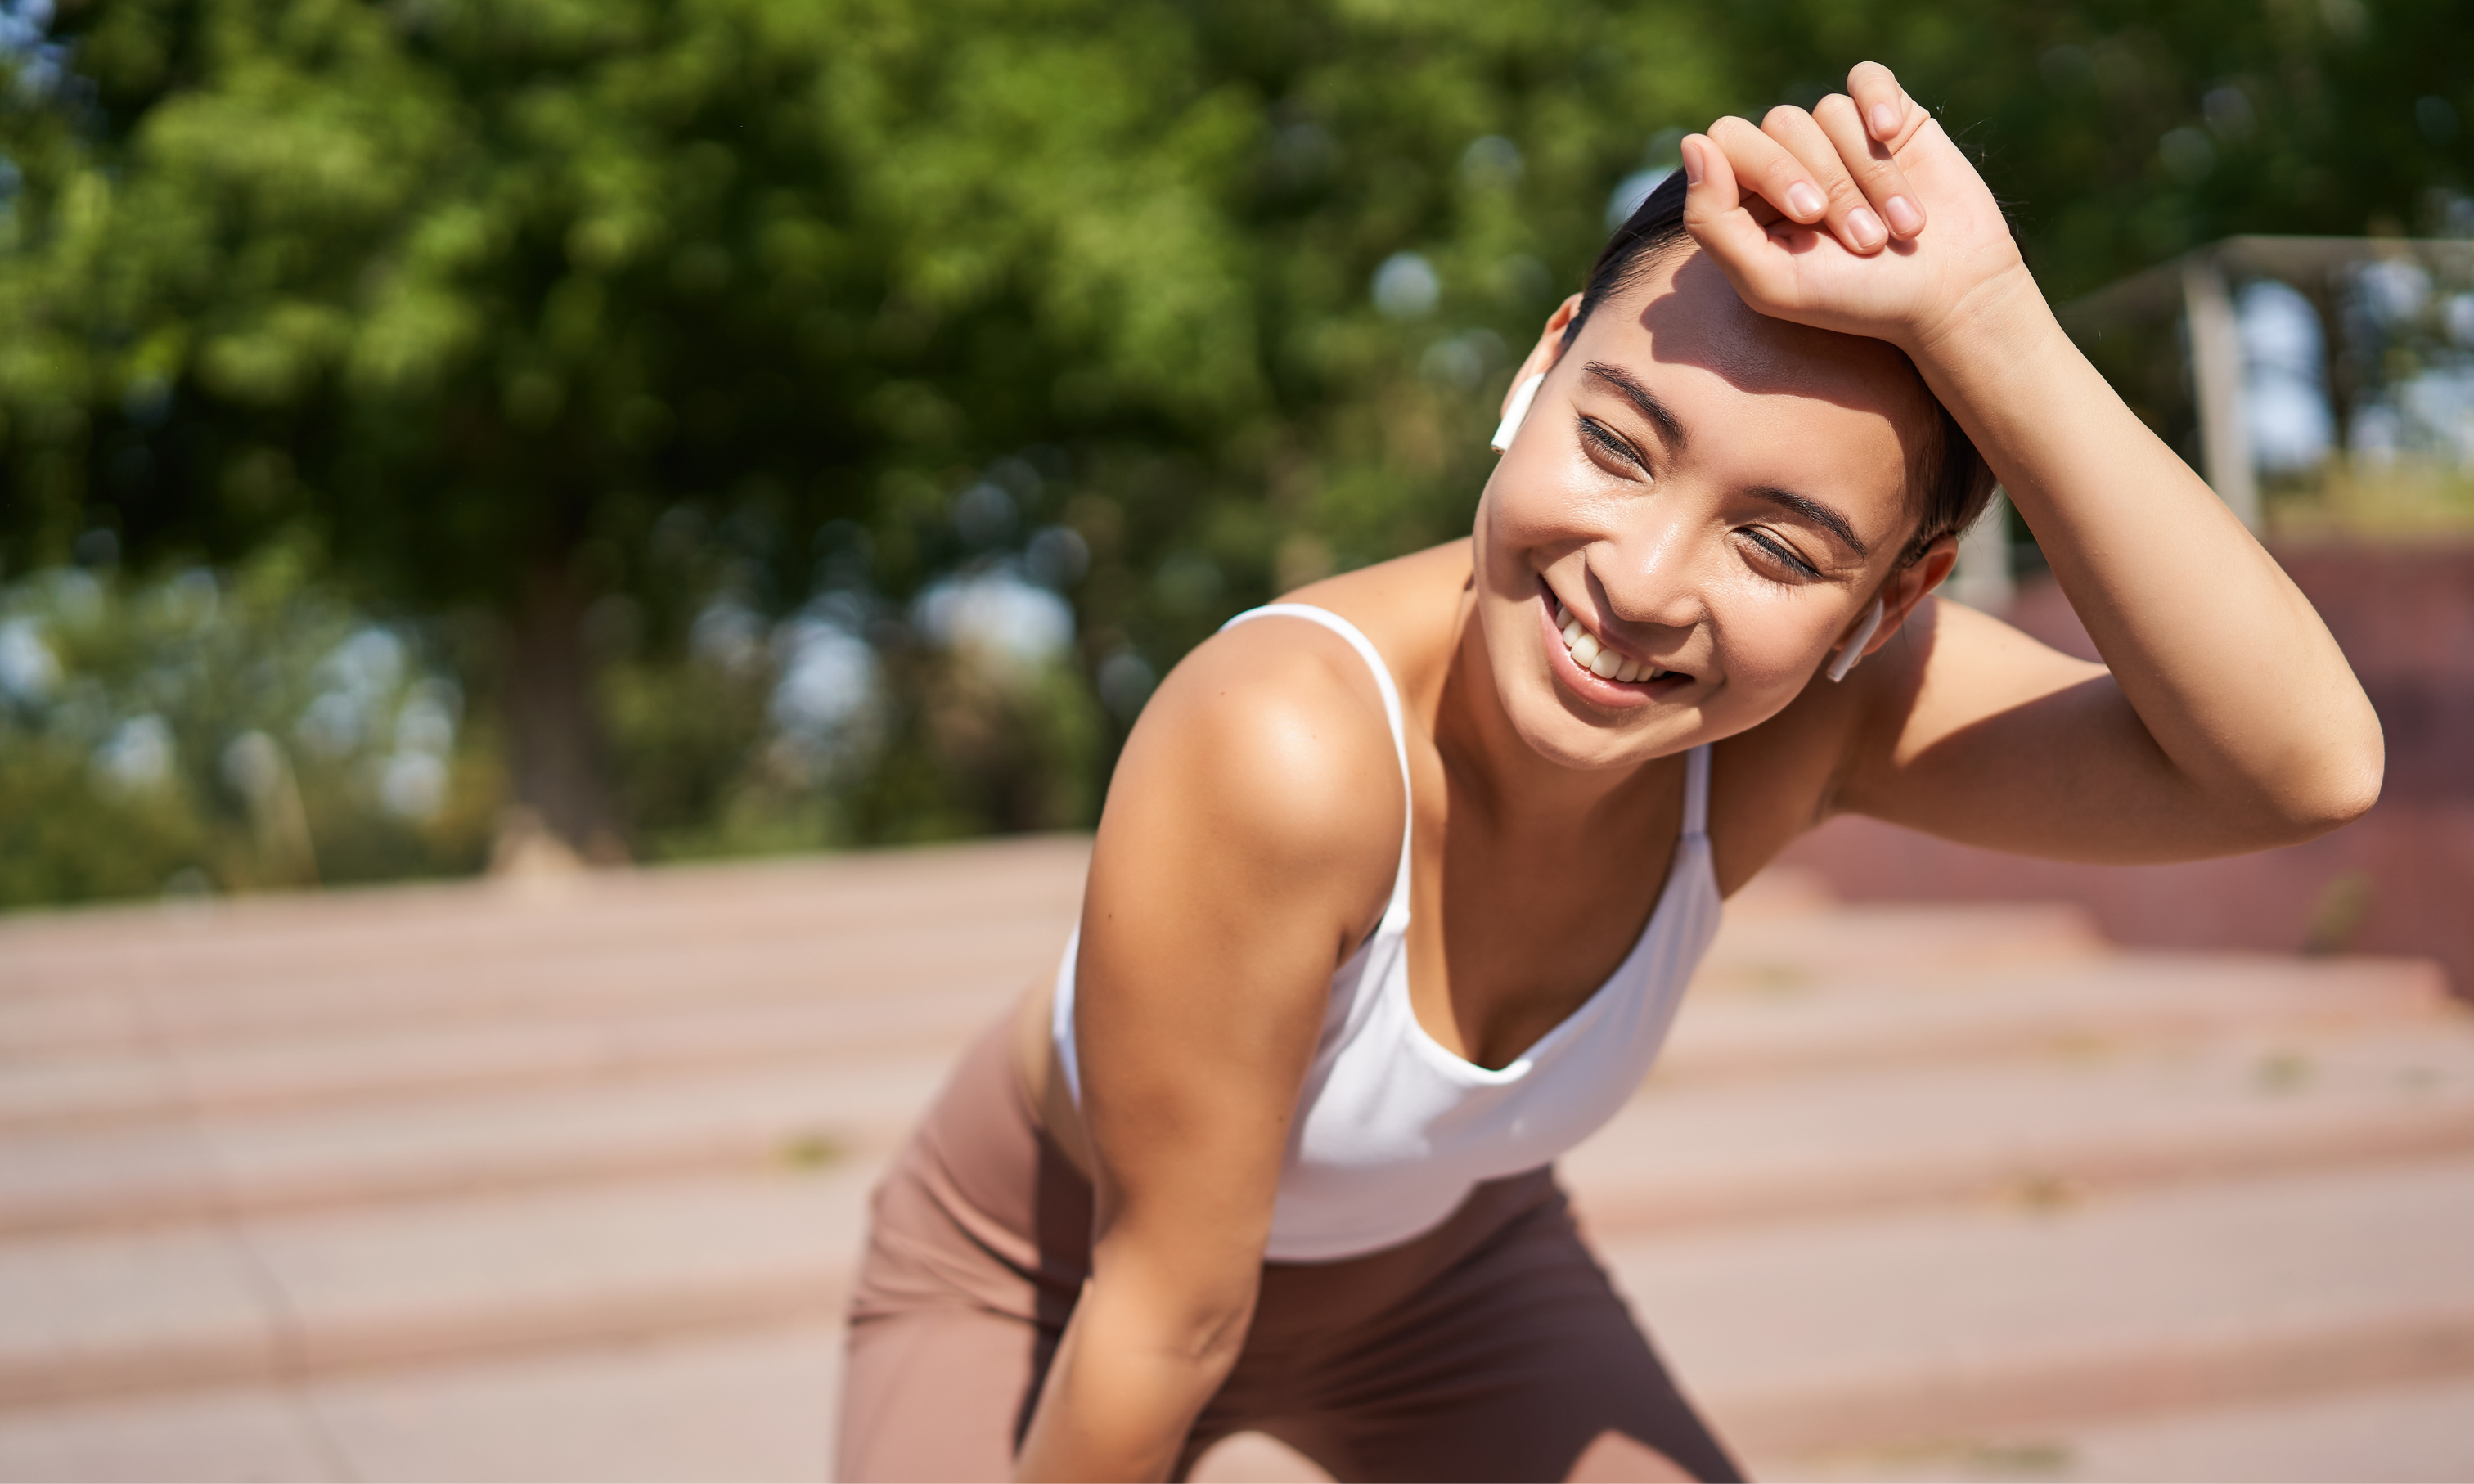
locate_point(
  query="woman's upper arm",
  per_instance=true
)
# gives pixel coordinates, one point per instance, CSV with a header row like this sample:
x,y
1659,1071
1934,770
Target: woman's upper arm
x,y
1977,733
1242,843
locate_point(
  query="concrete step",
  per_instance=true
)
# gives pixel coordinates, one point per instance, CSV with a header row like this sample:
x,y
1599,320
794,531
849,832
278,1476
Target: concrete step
x,y
274,999
463,1182
2041,1126
1879,1328
279,1043
1735,1026
187,1306
2421,1431
194,1303
745,1404
776,1115
752,1403
1985,1343
53,1090
2035,1128
780,1082
451,929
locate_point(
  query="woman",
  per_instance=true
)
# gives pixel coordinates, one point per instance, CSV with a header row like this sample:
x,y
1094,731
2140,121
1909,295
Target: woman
x,y
1397,882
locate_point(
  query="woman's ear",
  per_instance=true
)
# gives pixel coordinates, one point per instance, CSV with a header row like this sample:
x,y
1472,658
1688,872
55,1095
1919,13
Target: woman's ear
x,y
1903,591
1543,355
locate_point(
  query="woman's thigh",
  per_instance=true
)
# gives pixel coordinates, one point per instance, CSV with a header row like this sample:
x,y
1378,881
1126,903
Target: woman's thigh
x,y
1520,1362
936,1393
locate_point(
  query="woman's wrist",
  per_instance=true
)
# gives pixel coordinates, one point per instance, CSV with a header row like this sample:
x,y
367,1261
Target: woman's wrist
x,y
2001,323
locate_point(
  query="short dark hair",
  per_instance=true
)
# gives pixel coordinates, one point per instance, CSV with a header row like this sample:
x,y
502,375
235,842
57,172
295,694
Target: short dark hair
x,y
1952,483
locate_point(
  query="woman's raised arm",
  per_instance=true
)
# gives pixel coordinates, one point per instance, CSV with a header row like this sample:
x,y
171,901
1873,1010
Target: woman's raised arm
x,y
1250,840
2225,717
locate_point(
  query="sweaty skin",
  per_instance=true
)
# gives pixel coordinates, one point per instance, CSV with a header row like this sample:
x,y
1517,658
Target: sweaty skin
x,y
1713,485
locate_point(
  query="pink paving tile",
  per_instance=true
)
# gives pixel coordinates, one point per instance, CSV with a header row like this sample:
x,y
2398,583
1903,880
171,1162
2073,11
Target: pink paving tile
x,y
357,1062
86,1177
1888,1325
248,1433
284,996
752,1404
102,1312
2419,1433
1795,1022
411,1148
749,1119
2038,1125
52,1089
555,1267
483,925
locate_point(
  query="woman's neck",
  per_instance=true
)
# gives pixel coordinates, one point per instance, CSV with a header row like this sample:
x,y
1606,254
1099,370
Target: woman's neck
x,y
1491,767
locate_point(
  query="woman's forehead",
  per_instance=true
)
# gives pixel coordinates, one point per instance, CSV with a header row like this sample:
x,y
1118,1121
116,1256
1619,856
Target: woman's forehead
x,y
1683,314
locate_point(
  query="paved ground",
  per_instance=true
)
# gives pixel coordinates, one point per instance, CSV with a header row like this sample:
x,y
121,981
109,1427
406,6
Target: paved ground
x,y
564,1182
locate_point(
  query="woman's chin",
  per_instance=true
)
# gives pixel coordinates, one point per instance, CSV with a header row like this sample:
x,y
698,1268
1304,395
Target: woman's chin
x,y
1562,733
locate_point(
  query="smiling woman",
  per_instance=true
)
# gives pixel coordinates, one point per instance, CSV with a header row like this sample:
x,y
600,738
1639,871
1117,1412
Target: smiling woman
x,y
1399,880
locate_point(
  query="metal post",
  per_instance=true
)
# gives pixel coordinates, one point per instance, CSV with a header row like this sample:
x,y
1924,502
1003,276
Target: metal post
x,y
2217,371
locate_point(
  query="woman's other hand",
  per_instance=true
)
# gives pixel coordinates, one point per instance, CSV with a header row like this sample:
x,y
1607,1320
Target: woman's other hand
x,y
1859,216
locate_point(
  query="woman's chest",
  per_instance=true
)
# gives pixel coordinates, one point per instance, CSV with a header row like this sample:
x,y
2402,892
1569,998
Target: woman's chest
x,y
1511,933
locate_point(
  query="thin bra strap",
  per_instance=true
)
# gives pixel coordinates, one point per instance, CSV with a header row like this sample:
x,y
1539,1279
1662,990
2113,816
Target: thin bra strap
x,y
1392,714
1696,791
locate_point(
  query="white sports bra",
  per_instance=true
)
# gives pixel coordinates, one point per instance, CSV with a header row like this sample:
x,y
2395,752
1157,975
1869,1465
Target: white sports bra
x,y
1392,1129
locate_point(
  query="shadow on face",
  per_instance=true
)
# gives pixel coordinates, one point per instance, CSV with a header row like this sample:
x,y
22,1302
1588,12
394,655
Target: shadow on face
x,y
1695,320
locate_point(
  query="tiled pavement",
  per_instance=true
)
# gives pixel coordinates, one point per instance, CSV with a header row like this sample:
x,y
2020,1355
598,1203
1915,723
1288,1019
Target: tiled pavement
x,y
565,1180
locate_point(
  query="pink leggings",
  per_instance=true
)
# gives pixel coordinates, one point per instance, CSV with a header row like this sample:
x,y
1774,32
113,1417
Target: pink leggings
x,y
1490,1348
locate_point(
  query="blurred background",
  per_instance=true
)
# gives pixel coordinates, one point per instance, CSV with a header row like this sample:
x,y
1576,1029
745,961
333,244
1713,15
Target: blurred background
x,y
438,434
470,444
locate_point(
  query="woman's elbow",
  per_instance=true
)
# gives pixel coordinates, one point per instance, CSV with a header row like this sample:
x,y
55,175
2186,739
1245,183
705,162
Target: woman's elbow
x,y
2338,786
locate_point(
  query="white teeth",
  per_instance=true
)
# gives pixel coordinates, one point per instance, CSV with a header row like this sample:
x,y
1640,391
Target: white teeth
x,y
1596,658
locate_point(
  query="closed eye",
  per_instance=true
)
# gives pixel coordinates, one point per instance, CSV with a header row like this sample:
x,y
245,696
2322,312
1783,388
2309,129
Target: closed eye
x,y
1613,444
1780,553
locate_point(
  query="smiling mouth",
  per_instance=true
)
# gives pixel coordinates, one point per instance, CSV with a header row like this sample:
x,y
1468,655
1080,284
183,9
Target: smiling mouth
x,y
1601,662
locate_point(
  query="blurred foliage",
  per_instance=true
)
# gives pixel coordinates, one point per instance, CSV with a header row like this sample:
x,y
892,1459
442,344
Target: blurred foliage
x,y
2360,500
764,317
192,734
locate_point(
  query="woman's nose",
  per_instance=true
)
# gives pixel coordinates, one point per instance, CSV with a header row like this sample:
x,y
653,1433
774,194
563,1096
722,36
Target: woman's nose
x,y
1652,573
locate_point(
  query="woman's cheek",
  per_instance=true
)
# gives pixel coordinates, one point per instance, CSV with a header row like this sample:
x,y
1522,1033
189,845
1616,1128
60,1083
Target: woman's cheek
x,y
1769,647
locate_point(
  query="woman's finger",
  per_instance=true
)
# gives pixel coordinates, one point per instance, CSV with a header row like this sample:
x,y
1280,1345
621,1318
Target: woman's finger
x,y
1871,165
1889,114
1714,207
1768,169
1849,214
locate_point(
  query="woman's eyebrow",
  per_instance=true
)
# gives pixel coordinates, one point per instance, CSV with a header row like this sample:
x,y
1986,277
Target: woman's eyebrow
x,y
1816,512
1623,383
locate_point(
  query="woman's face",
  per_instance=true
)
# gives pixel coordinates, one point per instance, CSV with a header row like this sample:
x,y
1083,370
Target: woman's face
x,y
1711,495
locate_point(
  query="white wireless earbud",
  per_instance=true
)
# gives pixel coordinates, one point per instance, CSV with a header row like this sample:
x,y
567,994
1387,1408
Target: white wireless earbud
x,y
1855,650
1513,415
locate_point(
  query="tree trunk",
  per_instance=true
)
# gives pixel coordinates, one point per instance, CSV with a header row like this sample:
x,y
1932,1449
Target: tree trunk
x,y
563,813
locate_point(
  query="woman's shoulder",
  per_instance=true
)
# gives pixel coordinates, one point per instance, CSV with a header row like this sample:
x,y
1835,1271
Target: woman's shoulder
x,y
1277,730
1269,743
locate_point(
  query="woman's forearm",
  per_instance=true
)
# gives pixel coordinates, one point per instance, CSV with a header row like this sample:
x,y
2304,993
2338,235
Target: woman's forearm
x,y
2228,667
1131,1376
